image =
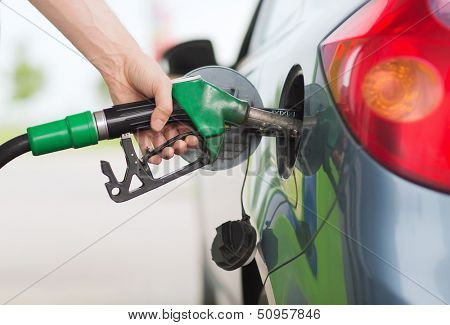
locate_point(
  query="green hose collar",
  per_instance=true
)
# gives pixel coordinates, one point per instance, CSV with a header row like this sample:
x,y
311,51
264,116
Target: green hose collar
x,y
75,131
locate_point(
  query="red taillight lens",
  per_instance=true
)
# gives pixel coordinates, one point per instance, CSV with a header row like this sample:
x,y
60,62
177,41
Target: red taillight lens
x,y
388,68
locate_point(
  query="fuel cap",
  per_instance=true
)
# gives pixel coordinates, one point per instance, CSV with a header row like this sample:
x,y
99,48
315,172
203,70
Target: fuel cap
x,y
234,244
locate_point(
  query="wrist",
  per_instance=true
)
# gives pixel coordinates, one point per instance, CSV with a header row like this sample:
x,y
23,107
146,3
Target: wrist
x,y
114,67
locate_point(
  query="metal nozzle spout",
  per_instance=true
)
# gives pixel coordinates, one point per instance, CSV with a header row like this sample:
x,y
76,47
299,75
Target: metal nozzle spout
x,y
269,123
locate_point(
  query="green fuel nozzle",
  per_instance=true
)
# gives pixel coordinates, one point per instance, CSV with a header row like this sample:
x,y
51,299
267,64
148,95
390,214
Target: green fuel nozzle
x,y
210,110
204,105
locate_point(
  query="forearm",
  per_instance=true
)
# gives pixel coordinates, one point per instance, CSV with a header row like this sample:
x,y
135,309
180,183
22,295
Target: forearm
x,y
129,74
93,29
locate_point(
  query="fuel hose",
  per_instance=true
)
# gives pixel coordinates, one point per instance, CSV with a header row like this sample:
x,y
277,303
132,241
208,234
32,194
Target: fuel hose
x,y
85,129
13,149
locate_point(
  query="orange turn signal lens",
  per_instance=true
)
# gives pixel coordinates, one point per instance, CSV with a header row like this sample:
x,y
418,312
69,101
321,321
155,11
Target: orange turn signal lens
x,y
402,89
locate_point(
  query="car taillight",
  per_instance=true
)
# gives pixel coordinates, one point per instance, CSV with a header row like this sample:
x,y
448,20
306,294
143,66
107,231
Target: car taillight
x,y
388,69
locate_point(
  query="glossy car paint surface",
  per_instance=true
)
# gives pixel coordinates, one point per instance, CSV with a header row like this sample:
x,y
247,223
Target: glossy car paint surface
x,y
350,231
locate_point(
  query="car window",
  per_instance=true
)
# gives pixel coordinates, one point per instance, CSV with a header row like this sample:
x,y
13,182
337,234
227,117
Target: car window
x,y
275,16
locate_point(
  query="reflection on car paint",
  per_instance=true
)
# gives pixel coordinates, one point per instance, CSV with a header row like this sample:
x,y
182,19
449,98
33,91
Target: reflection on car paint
x,y
289,234
310,215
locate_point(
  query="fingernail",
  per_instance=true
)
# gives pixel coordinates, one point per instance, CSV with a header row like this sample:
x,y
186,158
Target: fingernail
x,y
155,160
167,153
158,125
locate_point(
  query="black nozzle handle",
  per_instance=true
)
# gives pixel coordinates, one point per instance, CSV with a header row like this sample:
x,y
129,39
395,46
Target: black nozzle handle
x,y
132,117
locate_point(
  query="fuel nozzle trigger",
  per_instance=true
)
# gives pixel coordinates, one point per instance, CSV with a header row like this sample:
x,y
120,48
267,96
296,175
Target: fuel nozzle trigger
x,y
212,110
121,191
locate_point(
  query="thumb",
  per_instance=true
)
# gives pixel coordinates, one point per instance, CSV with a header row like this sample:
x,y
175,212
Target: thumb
x,y
164,105
148,78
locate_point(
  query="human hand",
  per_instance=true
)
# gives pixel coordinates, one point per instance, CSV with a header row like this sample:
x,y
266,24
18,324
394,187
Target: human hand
x,y
136,77
130,74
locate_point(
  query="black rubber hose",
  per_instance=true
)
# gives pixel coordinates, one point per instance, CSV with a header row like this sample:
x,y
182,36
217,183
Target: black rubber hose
x,y
13,149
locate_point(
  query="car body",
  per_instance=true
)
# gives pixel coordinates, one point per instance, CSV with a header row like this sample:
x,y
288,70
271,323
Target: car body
x,y
339,227
371,236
